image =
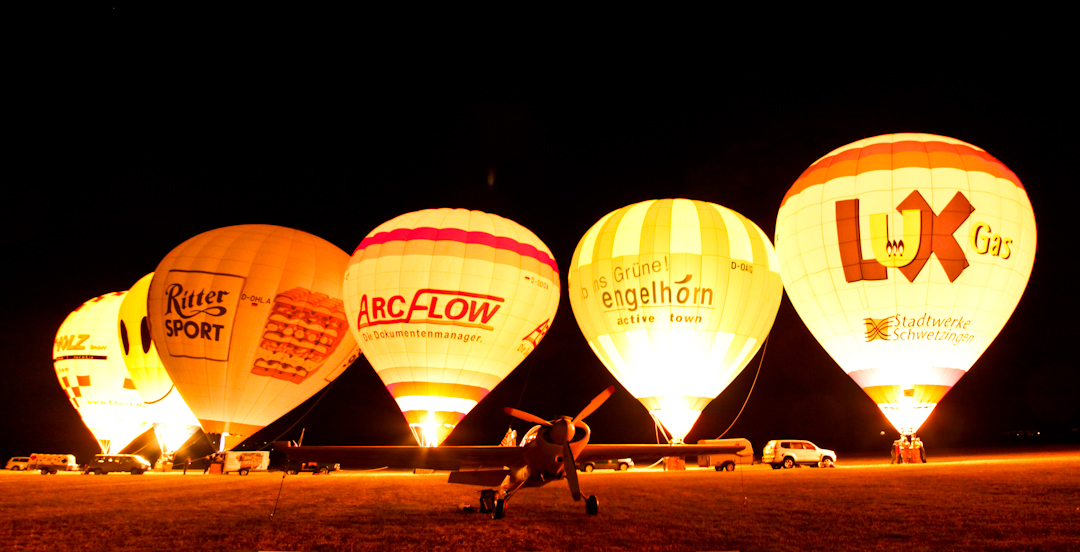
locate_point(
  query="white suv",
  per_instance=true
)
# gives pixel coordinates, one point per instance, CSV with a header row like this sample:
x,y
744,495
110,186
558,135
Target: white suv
x,y
788,453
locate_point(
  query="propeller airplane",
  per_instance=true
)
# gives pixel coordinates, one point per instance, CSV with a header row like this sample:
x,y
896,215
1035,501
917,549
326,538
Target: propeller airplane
x,y
548,452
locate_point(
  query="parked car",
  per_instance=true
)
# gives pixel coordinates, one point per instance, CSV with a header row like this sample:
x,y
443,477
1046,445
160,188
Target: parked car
x,y
788,453
620,464
17,463
104,464
293,468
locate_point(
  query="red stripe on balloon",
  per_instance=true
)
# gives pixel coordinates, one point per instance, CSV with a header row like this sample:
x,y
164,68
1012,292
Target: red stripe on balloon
x,y
461,236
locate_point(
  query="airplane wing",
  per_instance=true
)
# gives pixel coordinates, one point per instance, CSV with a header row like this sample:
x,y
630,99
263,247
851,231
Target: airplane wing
x,y
434,458
603,452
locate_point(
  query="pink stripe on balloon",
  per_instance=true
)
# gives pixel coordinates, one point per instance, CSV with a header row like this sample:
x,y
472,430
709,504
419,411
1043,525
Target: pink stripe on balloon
x,y
461,236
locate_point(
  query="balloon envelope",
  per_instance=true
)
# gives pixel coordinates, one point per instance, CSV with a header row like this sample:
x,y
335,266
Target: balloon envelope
x,y
905,255
675,296
90,366
173,421
445,303
249,323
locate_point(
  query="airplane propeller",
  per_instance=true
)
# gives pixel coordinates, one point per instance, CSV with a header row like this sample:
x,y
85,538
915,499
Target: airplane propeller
x,y
562,432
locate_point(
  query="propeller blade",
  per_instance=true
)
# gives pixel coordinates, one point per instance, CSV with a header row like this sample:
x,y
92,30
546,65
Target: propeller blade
x,y
592,406
571,471
526,416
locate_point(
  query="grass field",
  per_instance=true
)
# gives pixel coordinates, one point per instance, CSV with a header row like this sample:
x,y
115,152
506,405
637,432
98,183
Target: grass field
x,y
993,502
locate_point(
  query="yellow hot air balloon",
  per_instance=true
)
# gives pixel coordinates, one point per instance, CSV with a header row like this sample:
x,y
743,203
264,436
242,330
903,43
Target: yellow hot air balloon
x,y
174,423
90,366
905,254
445,303
249,323
675,296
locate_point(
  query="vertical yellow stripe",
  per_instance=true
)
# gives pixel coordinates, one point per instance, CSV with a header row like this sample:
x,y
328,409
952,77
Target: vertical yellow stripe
x,y
739,246
770,260
612,353
685,228
589,242
628,235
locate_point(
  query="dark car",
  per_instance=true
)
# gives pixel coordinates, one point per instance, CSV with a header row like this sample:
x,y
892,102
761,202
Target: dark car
x,y
293,468
103,464
619,464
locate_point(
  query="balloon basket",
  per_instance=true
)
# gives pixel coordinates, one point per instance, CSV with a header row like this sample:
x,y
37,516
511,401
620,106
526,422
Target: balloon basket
x,y
674,463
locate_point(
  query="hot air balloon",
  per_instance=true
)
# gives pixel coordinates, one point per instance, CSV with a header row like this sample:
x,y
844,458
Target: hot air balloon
x,y
905,255
90,366
445,303
675,296
249,323
174,423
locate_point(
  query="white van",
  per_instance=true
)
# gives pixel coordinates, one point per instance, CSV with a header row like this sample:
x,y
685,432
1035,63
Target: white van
x,y
17,463
727,462
52,463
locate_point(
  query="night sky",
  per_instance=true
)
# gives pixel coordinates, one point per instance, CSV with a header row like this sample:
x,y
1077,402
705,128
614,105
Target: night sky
x,y
164,144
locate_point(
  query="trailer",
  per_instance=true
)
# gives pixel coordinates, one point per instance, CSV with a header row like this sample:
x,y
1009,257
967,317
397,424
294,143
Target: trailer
x,y
241,462
52,463
727,462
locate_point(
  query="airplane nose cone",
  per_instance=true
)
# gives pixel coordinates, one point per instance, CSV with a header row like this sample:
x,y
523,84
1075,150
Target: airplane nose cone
x,y
562,432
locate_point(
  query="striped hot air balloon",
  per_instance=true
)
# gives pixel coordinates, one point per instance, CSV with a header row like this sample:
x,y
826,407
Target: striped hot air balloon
x,y
675,296
445,303
905,255
90,366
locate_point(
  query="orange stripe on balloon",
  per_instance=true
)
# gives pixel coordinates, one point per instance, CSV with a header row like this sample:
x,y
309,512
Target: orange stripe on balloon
x,y
894,394
899,155
438,416
436,389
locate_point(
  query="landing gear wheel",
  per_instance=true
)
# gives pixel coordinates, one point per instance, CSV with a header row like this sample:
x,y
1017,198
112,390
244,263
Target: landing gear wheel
x,y
500,509
592,505
789,463
487,501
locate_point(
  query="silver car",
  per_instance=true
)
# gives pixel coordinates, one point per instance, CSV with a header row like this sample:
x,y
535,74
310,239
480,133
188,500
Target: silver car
x,y
788,453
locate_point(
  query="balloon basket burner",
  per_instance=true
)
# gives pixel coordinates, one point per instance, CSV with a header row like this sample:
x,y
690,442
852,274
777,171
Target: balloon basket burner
x,y
674,463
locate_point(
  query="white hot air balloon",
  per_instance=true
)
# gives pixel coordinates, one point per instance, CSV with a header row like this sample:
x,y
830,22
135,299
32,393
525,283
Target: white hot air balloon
x,y
905,255
445,303
90,366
